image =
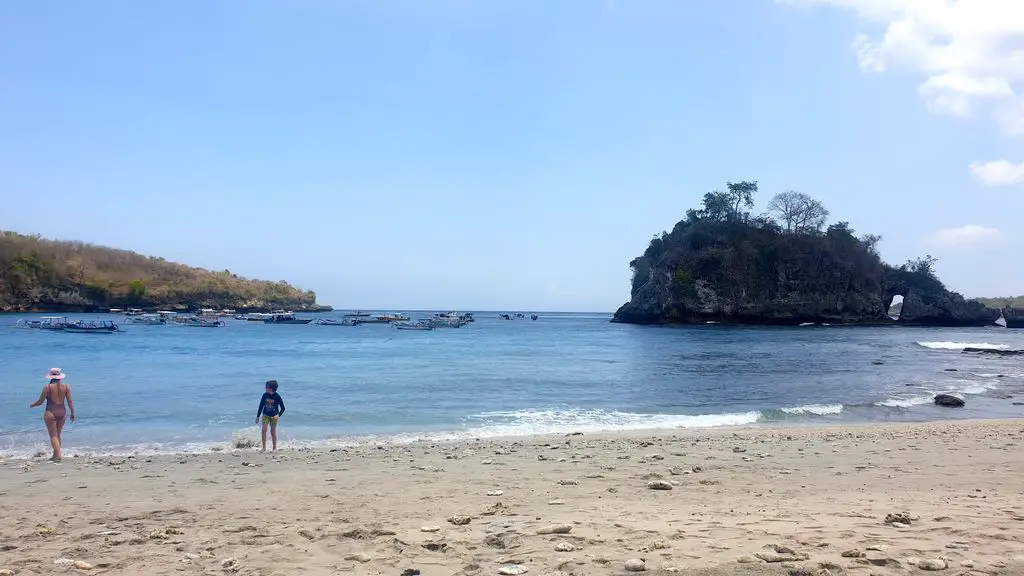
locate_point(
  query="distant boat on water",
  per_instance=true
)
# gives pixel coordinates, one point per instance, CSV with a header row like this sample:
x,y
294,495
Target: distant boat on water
x,y
286,318
91,327
418,325
44,323
333,322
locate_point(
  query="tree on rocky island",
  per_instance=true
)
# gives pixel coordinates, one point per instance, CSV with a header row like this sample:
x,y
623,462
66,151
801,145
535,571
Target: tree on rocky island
x,y
798,212
724,206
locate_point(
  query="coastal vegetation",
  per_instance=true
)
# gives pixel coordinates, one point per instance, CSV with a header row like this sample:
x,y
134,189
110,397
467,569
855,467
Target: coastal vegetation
x,y
722,263
37,274
1003,302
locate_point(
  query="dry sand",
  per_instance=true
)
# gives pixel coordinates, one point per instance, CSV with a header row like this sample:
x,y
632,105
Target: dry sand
x,y
809,500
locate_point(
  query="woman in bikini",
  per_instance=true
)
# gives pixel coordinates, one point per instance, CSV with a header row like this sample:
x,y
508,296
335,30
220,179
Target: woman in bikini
x,y
54,393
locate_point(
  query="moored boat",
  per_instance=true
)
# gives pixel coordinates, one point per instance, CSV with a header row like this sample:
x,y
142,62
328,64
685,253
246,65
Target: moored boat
x,y
44,323
335,322
286,318
150,319
91,327
418,325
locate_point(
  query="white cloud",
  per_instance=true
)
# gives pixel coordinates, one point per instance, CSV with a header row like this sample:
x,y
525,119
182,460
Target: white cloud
x,y
998,172
964,236
969,53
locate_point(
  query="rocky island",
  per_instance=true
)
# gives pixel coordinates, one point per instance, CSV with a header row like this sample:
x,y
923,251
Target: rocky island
x,y
721,264
40,275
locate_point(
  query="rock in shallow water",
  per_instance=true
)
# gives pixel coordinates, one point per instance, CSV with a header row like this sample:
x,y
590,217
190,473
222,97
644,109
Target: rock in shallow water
x,y
949,401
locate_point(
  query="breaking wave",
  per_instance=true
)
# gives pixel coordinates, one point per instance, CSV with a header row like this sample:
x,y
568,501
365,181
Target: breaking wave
x,y
962,345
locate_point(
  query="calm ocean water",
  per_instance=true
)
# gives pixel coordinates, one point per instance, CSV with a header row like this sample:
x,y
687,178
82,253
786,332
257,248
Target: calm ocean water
x,y
169,388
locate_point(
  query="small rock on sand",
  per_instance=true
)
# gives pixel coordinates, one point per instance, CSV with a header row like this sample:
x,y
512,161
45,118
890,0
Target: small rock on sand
x,y
635,565
932,564
564,547
512,569
877,548
556,502
568,482
82,565
6,572
460,520
495,493
747,559
362,558
430,529
658,485
555,529
852,554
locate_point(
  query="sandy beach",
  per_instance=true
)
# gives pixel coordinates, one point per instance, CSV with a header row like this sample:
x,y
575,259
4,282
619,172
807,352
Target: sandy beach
x,y
889,499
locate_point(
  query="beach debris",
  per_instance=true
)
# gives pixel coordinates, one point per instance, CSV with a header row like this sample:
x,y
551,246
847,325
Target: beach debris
x,y
430,529
411,572
6,572
556,502
660,545
64,562
678,471
512,569
565,547
495,493
658,485
852,554
459,520
697,469
359,557
46,530
932,564
894,518
635,565
568,482
555,529
747,559
230,564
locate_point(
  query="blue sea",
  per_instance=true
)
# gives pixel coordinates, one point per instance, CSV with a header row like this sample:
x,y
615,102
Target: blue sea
x,y
180,389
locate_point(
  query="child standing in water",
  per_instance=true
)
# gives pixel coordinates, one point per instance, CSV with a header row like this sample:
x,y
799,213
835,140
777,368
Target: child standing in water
x,y
272,408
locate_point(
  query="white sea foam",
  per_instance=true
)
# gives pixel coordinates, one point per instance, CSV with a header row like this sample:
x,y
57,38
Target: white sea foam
x,y
535,422
961,345
906,401
816,409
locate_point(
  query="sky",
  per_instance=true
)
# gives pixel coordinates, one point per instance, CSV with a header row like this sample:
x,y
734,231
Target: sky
x,y
506,154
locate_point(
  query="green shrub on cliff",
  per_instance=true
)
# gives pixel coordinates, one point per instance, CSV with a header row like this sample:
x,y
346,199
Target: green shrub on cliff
x,y
40,274
722,263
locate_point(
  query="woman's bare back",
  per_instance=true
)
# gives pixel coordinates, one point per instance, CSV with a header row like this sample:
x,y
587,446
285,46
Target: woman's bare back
x,y
56,393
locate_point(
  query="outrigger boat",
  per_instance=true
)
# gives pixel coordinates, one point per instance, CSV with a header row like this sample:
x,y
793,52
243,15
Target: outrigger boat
x,y
44,323
150,319
418,325
91,327
286,318
333,322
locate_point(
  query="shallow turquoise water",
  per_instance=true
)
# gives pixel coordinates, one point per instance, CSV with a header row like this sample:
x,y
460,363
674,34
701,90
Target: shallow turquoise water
x,y
172,388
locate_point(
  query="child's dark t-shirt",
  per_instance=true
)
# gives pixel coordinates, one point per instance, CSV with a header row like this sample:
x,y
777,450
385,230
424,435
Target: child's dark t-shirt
x,y
270,405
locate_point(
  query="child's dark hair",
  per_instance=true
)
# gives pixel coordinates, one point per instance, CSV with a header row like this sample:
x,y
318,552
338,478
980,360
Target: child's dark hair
x,y
272,384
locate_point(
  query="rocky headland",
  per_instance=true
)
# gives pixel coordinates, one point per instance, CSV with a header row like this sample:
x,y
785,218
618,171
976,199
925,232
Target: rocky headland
x,y
720,264
40,275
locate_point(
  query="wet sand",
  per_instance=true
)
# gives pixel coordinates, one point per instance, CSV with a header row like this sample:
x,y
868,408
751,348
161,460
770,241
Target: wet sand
x,y
756,501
